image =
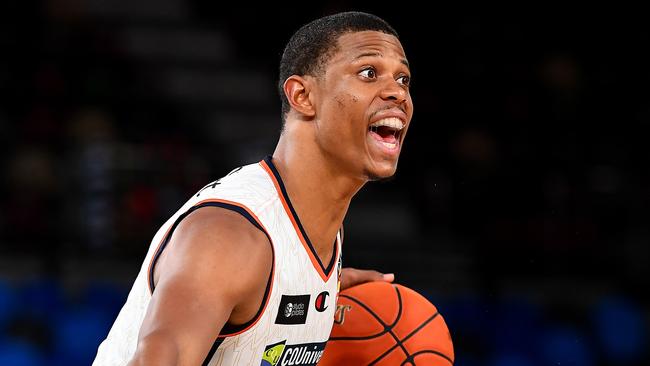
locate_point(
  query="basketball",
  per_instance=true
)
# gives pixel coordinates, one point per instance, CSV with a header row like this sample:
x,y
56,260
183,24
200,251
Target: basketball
x,y
385,324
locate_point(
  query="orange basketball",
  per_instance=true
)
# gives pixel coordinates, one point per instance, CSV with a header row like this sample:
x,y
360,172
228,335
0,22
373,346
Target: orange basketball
x,y
384,324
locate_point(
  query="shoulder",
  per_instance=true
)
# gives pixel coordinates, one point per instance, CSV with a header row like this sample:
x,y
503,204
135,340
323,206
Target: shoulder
x,y
216,244
210,225
247,184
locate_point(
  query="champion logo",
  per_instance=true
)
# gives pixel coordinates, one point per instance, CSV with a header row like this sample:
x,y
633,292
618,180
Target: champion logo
x,y
321,301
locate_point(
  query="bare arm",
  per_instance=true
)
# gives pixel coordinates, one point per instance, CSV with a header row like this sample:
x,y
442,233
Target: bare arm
x,y
214,270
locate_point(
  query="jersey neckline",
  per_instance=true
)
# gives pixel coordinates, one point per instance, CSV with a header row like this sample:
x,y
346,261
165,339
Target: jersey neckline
x,y
324,272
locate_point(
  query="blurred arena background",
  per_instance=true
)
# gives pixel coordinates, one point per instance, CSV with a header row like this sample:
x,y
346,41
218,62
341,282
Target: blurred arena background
x,y
520,207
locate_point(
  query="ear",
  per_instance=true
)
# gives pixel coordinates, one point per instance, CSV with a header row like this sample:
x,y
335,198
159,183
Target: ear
x,y
298,90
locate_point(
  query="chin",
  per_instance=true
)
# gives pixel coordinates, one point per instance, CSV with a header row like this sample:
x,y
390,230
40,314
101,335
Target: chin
x,y
381,173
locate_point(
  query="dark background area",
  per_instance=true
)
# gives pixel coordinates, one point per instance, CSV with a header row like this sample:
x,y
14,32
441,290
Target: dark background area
x,y
520,207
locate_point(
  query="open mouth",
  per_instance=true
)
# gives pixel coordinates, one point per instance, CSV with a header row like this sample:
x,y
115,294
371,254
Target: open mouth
x,y
387,131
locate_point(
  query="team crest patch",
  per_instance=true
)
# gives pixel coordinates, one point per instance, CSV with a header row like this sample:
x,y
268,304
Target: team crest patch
x,y
282,354
293,309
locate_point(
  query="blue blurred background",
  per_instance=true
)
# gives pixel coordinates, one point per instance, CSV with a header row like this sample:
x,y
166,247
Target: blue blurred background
x,y
520,208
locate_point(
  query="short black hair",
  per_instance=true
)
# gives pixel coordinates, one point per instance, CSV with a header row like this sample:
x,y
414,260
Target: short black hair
x,y
314,43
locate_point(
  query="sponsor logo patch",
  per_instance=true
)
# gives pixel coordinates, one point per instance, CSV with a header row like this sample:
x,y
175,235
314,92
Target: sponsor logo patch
x,y
293,309
282,354
272,354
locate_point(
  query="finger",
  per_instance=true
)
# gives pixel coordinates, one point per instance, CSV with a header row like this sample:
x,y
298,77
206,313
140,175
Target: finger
x,y
388,277
371,275
367,275
353,276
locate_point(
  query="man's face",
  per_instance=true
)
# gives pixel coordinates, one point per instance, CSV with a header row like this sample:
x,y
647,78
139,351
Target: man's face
x,y
363,104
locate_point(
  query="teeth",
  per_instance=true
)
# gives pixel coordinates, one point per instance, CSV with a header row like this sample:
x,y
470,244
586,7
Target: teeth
x,y
388,144
391,122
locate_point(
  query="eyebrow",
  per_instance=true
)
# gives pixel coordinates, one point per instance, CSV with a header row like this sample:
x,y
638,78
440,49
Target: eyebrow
x,y
377,54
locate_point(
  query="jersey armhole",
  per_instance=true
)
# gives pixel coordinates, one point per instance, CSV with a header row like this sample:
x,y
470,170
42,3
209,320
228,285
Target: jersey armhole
x,y
227,330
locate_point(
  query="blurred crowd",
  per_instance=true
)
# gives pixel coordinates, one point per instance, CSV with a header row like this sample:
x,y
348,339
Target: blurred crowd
x,y
520,207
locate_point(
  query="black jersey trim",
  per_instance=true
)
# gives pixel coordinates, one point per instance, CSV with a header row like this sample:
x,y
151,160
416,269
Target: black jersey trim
x,y
326,270
213,349
227,330
229,206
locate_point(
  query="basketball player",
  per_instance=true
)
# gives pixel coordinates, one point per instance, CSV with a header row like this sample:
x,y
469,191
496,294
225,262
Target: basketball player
x,y
247,271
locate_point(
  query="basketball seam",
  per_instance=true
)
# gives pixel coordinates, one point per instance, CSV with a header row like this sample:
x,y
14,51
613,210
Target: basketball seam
x,y
398,342
386,326
411,358
421,326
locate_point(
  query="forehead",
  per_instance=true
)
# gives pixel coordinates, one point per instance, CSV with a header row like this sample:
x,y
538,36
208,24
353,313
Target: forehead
x,y
352,45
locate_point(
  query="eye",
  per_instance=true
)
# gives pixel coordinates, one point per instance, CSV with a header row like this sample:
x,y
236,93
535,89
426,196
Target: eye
x,y
368,73
404,80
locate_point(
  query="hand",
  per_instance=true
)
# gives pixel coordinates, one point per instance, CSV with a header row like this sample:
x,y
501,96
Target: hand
x,y
352,276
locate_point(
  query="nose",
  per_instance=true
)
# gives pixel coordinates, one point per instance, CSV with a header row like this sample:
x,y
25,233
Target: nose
x,y
394,91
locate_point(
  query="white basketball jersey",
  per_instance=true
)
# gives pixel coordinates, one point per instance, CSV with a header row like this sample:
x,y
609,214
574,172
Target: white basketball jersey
x,y
295,319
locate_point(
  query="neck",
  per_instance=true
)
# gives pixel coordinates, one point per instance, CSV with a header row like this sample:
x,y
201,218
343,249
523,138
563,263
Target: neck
x,y
319,191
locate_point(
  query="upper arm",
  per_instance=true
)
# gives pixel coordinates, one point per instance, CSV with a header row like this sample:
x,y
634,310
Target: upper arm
x,y
214,261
